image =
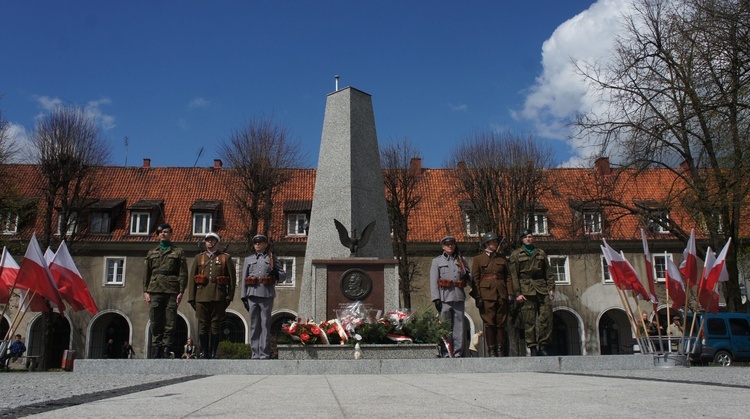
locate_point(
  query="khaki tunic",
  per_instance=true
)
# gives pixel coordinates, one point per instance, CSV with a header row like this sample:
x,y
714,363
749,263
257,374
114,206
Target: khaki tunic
x,y
165,272
212,266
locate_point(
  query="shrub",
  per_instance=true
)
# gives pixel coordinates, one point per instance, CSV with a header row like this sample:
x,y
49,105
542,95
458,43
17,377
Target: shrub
x,y
231,350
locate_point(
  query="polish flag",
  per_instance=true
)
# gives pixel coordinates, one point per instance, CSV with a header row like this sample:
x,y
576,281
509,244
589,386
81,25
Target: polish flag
x,y
622,272
69,281
689,265
675,285
709,298
48,256
8,272
649,271
34,276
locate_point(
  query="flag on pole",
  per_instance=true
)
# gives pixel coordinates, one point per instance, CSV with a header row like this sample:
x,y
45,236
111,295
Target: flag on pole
x,y
675,284
8,272
622,272
649,271
48,256
709,298
689,264
34,276
69,281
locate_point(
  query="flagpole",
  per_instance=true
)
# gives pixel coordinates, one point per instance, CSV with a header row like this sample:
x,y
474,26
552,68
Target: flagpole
x,y
666,281
13,325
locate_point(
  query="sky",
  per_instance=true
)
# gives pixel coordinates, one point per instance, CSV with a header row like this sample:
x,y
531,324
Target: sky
x,y
178,77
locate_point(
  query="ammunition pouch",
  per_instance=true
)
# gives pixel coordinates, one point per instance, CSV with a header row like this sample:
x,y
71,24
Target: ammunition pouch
x,y
222,280
447,283
200,280
254,280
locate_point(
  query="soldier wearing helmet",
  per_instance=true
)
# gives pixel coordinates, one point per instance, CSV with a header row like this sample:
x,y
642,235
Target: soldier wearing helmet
x,y
494,292
211,285
534,286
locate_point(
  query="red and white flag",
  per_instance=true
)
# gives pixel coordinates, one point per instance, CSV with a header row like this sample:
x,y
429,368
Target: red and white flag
x,y
35,277
8,272
689,264
69,281
622,272
709,298
649,271
675,285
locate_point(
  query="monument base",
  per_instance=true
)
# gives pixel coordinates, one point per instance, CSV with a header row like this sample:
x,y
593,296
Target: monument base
x,y
336,352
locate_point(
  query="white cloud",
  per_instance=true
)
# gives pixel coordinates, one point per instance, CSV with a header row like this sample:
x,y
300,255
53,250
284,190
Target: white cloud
x,y
182,124
92,109
559,92
198,102
19,138
458,108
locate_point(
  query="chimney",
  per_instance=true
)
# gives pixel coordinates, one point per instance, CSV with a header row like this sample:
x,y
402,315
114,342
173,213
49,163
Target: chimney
x,y
415,166
146,163
684,167
602,166
218,164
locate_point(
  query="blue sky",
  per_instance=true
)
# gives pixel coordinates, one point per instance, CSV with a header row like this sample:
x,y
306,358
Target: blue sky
x,y
176,76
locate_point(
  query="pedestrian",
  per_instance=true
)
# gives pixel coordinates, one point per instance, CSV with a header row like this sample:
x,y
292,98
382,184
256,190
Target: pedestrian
x,y
211,287
188,351
449,274
262,270
491,279
163,286
109,350
15,350
534,287
126,351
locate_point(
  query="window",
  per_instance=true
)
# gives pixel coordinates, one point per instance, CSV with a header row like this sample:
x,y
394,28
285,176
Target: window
x,y
99,222
658,222
72,226
202,223
606,278
739,327
660,267
296,224
716,326
140,223
289,263
560,269
538,224
8,223
592,222
472,225
114,271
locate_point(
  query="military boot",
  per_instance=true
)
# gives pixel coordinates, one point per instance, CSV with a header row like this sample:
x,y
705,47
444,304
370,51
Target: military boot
x,y
155,352
214,345
167,353
534,351
499,352
205,352
489,339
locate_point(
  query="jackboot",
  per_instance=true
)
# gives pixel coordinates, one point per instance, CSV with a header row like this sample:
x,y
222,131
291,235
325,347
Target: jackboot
x,y
205,353
167,353
534,351
156,352
489,339
214,345
500,351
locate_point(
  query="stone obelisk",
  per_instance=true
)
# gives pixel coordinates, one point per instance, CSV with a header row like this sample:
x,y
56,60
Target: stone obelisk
x,y
349,188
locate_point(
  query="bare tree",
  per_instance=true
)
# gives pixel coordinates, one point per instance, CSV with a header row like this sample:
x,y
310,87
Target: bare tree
x,y
401,179
261,154
502,176
8,193
677,96
68,146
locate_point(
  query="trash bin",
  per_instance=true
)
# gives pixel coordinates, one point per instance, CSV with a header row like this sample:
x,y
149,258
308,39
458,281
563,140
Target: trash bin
x,y
68,358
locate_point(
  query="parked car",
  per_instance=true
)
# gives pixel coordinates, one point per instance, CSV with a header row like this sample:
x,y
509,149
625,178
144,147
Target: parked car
x,y
724,339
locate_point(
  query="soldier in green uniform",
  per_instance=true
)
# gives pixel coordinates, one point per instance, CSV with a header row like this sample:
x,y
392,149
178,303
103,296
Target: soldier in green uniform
x,y
210,291
494,292
163,286
534,286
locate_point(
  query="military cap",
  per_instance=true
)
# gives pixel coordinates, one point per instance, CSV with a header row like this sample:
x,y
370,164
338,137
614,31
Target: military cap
x,y
213,235
260,238
162,227
447,239
489,237
526,232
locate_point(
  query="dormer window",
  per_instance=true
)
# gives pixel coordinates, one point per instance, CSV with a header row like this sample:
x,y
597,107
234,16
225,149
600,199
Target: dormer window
x,y
656,215
144,215
589,215
205,214
297,214
9,223
103,215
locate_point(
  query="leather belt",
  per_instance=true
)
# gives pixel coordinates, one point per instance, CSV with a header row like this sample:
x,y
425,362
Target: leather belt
x,y
447,283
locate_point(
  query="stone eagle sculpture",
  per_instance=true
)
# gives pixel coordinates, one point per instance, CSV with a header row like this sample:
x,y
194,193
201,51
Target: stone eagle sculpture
x,y
354,242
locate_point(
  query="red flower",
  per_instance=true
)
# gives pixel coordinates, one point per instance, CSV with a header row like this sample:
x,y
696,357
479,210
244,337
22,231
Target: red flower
x,y
315,330
304,336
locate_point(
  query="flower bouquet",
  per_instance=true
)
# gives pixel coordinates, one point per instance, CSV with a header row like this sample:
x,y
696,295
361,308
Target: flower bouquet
x,y
307,332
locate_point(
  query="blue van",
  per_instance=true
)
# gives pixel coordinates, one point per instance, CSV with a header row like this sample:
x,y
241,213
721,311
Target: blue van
x,y
724,339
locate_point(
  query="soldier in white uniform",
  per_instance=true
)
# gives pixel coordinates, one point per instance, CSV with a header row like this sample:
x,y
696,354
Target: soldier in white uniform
x,y
261,270
449,275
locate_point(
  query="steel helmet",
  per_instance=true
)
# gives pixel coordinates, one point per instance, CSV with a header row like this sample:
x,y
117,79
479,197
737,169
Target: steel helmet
x,y
488,237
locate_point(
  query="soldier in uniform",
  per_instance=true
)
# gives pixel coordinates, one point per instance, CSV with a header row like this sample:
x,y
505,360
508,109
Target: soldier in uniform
x,y
262,270
449,274
210,291
534,287
163,286
490,277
